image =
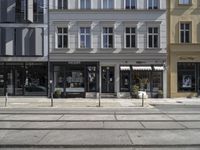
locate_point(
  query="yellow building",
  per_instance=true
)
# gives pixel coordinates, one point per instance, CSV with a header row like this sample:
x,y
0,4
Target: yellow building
x,y
184,48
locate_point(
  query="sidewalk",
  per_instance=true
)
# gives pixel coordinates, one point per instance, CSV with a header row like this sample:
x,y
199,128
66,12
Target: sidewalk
x,y
35,102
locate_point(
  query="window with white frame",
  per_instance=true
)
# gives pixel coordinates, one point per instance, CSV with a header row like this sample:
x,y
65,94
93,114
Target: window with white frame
x,y
130,37
85,37
62,37
85,4
130,4
185,32
153,37
62,4
108,4
184,2
108,37
153,4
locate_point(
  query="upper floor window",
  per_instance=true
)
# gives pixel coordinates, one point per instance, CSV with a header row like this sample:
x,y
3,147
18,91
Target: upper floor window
x,y
185,32
85,4
153,4
130,37
22,41
108,4
85,37
62,37
153,37
108,37
184,2
62,4
130,4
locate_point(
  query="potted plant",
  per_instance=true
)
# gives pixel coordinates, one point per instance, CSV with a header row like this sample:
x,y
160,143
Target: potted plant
x,y
57,94
134,92
160,94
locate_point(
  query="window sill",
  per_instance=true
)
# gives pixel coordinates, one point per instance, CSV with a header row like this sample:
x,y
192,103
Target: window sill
x,y
130,49
185,5
84,49
108,49
153,48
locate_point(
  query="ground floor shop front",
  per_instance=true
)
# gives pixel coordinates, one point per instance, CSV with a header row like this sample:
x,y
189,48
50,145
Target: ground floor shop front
x,y
87,79
185,75
23,79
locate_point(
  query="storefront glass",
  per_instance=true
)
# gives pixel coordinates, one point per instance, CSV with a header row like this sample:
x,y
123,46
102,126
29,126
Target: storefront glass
x,y
186,77
1,80
14,78
125,81
91,78
142,79
58,79
108,77
35,79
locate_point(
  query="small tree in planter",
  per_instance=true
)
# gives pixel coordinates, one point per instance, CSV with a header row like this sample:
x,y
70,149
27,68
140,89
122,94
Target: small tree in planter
x,y
134,92
160,94
57,94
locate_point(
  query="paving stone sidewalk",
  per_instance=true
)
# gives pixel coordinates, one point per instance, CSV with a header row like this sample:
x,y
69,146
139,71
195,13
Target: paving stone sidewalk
x,y
35,102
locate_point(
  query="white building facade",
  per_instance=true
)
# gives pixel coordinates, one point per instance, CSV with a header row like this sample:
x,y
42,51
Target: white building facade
x,y
107,46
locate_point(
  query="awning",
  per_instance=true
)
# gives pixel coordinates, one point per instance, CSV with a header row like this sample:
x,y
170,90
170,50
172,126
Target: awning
x,y
159,68
124,68
142,68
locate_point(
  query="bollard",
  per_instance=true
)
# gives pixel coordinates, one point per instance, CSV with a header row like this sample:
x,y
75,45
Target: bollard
x,y
51,99
142,99
6,99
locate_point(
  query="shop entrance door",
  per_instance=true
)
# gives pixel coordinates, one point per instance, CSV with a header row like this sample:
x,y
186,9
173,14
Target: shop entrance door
x,y
14,78
108,79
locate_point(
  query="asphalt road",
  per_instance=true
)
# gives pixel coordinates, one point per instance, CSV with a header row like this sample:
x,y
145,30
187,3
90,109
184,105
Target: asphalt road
x,y
164,127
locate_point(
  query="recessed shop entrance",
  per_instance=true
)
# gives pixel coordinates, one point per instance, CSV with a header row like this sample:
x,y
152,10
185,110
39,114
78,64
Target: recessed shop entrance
x,y
108,79
14,79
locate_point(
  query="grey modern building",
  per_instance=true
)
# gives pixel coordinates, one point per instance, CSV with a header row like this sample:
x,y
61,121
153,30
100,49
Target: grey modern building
x,y
108,46
23,47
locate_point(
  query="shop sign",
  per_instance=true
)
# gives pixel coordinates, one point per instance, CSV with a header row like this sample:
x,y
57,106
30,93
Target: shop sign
x,y
74,62
187,58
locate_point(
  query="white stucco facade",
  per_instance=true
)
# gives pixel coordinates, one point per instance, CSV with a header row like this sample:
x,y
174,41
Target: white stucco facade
x,y
118,18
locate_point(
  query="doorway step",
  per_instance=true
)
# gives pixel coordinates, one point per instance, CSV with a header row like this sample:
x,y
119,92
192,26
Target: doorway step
x,y
108,95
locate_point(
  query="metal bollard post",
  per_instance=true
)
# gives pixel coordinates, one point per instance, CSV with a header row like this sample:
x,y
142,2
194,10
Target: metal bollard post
x,y
142,99
51,99
6,99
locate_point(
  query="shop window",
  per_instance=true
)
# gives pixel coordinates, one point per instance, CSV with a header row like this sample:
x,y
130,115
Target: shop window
x,y
157,80
75,81
142,80
186,77
125,81
1,80
58,76
92,78
35,81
